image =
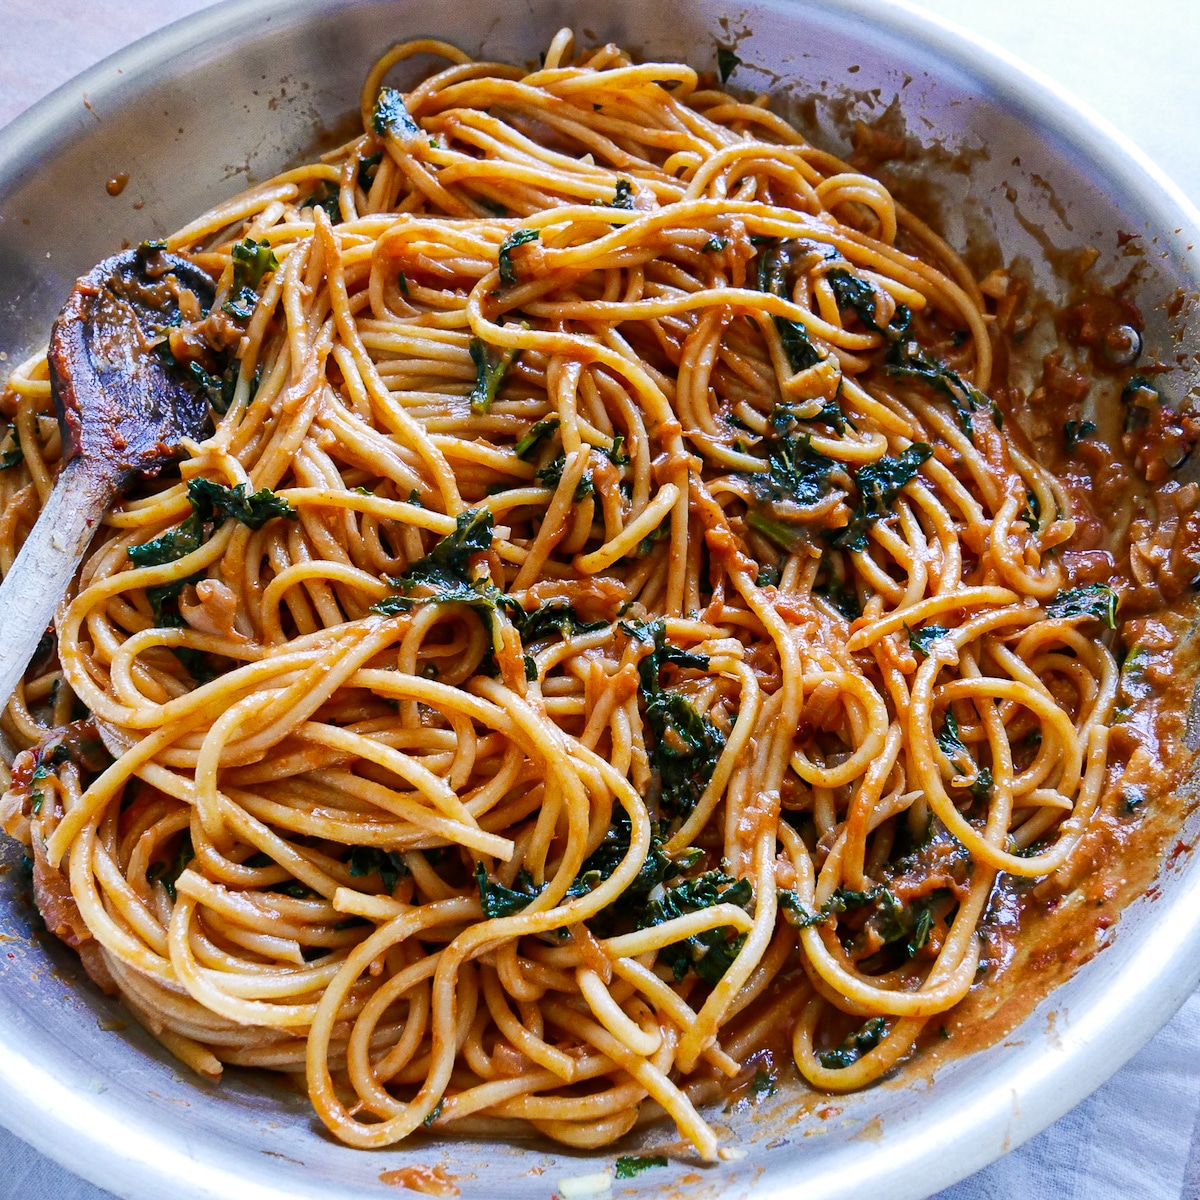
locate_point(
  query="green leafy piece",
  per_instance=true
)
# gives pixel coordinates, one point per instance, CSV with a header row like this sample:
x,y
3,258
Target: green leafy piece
x,y
1032,515
365,175
500,901
855,1046
369,860
727,62
659,533
981,789
508,273
879,483
624,196
328,197
472,535
843,598
797,475
251,261
551,476
631,1165
842,900
391,116
908,361
216,389
797,345
434,1113
686,743
211,500
949,740
715,244
1075,432
491,365
402,283
615,455
167,873
1140,397
852,292
921,931
762,1085
1095,600
14,454
553,616
538,431
921,641
708,954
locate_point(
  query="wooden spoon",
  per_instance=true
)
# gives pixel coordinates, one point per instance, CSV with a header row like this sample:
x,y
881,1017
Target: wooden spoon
x,y
123,408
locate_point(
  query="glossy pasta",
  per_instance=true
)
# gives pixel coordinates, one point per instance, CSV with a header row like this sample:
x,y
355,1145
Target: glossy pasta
x,y
608,629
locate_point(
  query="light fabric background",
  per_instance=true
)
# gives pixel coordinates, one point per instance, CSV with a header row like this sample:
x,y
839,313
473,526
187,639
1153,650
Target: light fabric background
x,y
1139,1135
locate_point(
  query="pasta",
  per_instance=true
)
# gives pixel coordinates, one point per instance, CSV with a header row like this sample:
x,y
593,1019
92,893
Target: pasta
x,y
609,624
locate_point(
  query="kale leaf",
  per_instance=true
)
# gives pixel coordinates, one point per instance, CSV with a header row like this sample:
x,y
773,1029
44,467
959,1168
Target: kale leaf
x,y
908,361
500,901
630,1165
879,483
852,292
1074,432
508,273
369,860
391,116
921,641
210,503
538,431
797,345
708,954
14,454
855,1046
727,62
1095,600
624,196
491,365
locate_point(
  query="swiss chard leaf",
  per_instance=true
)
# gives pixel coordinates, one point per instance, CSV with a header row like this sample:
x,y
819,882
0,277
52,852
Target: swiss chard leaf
x,y
491,366
1095,600
508,273
879,483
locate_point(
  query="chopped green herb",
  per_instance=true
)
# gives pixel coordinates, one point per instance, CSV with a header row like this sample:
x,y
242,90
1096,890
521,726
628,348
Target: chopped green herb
x,y
402,283
631,1165
762,1085
168,873
615,455
508,273
435,1112
551,476
715,244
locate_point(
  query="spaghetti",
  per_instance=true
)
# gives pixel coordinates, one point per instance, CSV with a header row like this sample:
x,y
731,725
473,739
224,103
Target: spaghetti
x,y
609,624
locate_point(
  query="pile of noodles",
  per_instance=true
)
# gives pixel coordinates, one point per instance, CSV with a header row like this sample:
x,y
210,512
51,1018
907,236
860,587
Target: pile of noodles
x,y
624,637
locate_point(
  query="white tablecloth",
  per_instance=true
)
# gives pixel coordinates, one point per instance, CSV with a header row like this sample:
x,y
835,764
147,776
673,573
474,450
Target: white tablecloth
x,y
1139,1135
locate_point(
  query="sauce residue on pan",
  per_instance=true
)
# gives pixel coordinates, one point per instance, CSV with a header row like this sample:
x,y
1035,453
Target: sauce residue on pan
x,y
432,1181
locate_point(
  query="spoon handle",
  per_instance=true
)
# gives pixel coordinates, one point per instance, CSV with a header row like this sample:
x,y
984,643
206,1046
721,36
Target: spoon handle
x,y
44,568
